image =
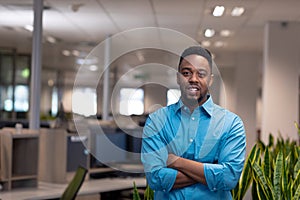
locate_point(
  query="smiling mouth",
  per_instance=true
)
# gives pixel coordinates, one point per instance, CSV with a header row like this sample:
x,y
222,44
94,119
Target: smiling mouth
x,y
193,89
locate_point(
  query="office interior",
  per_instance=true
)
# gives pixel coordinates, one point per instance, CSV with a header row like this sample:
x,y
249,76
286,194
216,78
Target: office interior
x,y
89,90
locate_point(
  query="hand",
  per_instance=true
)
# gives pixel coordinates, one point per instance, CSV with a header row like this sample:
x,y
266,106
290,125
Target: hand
x,y
172,160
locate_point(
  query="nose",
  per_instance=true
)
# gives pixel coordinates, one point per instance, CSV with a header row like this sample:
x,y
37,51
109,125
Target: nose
x,y
194,78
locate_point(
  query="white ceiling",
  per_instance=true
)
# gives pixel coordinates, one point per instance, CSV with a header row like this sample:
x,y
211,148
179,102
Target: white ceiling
x,y
86,27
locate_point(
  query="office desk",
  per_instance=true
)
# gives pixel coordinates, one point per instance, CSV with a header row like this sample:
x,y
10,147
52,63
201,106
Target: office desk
x,y
89,187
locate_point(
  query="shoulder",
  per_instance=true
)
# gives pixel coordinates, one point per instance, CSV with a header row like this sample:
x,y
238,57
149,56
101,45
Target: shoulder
x,y
162,113
231,119
229,114
157,120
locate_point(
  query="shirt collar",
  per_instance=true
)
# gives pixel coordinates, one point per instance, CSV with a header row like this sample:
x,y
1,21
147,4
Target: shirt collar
x,y
207,106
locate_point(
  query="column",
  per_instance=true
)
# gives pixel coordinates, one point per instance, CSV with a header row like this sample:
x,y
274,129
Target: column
x,y
36,65
280,103
106,82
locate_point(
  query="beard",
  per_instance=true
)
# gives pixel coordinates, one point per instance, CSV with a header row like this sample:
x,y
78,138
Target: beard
x,y
194,100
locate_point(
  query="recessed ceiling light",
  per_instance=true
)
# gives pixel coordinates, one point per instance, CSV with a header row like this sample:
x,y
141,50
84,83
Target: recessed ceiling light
x,y
218,11
76,53
205,43
51,39
93,68
29,28
237,11
209,32
66,52
225,33
219,44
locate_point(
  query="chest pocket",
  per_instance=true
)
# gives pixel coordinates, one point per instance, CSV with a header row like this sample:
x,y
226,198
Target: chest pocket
x,y
209,150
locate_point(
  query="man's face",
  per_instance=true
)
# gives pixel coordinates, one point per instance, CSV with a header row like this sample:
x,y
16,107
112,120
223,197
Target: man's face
x,y
194,78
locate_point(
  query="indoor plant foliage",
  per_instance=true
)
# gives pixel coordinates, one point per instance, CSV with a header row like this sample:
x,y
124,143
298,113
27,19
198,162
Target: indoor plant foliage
x,y
273,170
148,194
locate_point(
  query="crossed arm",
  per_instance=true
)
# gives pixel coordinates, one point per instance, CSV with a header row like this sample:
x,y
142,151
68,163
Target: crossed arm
x,y
189,171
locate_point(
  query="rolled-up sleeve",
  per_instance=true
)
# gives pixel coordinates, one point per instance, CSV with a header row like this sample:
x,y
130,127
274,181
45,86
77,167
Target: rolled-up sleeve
x,y
225,174
154,157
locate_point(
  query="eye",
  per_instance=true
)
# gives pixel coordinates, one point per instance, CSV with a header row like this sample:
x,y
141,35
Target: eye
x,y
202,74
186,73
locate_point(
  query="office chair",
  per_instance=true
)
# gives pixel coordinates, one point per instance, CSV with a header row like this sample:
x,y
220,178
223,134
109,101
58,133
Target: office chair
x,y
75,184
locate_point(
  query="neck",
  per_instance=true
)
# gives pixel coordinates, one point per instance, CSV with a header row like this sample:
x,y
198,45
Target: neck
x,y
192,105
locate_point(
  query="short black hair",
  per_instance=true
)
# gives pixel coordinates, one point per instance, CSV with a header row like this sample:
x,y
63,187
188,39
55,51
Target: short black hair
x,y
197,50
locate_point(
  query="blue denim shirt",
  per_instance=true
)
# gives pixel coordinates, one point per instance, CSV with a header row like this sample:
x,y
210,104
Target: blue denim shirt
x,y
211,135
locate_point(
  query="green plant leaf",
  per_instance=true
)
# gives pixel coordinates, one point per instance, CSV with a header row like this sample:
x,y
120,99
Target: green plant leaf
x,y
296,168
246,176
285,175
149,193
266,186
296,181
261,194
271,140
297,193
267,163
278,175
297,127
136,195
254,190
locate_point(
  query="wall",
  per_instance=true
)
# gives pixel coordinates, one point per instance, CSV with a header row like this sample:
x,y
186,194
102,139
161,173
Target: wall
x,y
281,79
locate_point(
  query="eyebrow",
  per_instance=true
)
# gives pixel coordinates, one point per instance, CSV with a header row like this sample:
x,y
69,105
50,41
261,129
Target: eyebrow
x,y
189,68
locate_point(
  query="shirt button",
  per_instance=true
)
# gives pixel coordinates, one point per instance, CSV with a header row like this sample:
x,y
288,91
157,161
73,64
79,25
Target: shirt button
x,y
193,118
191,140
214,189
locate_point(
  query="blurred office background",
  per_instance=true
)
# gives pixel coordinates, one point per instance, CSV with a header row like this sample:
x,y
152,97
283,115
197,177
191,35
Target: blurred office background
x,y
255,46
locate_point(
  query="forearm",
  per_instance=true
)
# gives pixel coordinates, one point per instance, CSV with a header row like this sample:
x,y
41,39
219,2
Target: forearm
x,y
182,180
192,169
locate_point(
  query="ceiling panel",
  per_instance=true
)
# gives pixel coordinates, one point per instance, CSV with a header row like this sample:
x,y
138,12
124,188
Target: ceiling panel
x,y
82,24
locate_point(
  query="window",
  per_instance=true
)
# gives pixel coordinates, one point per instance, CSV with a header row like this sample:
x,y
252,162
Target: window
x,y
173,96
131,101
84,101
21,94
54,102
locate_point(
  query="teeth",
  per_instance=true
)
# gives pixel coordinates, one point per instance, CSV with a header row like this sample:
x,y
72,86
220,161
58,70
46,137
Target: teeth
x,y
193,89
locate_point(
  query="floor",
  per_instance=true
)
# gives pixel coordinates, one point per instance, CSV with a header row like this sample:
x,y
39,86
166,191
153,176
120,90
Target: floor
x,y
93,189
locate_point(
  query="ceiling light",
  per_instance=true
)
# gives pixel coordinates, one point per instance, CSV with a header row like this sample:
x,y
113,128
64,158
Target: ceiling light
x,y
219,44
66,52
93,68
225,33
218,11
209,32
237,11
51,39
76,53
205,43
29,28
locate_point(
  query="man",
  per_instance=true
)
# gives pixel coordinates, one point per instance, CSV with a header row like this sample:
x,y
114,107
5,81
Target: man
x,y
193,149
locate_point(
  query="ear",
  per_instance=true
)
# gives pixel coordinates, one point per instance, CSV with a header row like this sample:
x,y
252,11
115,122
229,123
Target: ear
x,y
178,78
211,80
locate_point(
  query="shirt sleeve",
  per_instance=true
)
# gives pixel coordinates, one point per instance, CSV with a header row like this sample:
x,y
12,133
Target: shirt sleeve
x,y
225,174
154,157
